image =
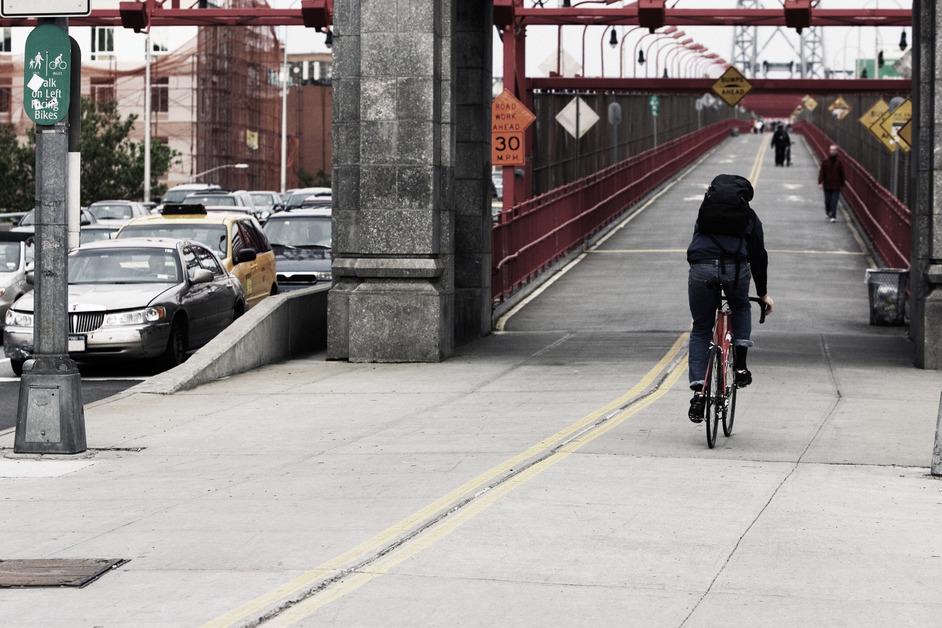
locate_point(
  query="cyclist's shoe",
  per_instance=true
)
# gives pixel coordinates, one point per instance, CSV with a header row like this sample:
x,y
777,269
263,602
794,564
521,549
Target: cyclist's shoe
x,y
743,378
697,406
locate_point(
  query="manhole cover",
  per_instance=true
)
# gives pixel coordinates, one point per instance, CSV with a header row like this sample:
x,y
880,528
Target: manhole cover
x,y
54,572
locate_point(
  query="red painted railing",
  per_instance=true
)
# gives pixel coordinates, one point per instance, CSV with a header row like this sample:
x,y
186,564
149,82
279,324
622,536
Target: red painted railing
x,y
534,234
884,218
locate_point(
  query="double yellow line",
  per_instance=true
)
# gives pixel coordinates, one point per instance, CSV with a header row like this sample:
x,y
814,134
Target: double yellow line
x,y
757,163
332,580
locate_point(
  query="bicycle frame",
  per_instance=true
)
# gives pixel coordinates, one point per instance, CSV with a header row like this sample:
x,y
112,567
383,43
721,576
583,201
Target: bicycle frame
x,y
723,339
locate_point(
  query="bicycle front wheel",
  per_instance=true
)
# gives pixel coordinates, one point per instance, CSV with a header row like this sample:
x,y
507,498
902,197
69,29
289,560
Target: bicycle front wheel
x,y
729,413
715,396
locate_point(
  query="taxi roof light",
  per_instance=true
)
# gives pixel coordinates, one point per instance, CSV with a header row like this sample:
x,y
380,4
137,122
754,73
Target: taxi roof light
x,y
179,209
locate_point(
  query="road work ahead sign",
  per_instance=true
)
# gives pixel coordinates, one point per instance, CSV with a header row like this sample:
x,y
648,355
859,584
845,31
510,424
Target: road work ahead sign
x,y
44,8
510,120
732,86
47,74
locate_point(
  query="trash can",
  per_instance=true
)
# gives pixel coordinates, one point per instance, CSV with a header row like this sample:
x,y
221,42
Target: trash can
x,y
734,131
887,288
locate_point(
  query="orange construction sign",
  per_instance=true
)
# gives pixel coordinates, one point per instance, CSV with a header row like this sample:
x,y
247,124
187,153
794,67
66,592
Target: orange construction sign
x,y
510,120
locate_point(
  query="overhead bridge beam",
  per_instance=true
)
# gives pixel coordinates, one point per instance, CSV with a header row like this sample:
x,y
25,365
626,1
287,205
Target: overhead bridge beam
x,y
699,86
709,17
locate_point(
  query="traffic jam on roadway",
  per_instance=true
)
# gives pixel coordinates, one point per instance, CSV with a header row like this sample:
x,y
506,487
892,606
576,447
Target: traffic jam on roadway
x,y
152,283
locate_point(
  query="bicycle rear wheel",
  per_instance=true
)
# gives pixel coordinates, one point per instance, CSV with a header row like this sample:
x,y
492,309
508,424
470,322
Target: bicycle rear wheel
x,y
729,414
715,396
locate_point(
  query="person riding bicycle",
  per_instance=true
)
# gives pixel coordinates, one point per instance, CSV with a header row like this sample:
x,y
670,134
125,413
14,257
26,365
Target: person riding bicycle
x,y
727,250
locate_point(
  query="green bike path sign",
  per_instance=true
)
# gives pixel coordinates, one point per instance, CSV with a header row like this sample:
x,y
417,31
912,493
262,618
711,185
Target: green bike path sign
x,y
47,74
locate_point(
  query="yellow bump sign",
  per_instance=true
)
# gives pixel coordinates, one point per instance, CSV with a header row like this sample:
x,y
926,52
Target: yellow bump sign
x,y
732,87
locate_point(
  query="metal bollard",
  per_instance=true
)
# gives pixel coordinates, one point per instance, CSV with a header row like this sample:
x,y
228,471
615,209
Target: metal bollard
x,y
937,449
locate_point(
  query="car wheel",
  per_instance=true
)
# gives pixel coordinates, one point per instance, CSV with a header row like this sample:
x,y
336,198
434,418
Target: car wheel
x,y
238,310
17,366
274,289
175,353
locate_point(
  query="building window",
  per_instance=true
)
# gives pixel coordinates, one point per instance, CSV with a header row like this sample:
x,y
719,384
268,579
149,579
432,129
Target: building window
x,y
160,95
6,40
6,96
102,42
102,91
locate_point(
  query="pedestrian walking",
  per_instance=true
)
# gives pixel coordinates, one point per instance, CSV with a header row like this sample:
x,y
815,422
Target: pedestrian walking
x,y
831,179
781,142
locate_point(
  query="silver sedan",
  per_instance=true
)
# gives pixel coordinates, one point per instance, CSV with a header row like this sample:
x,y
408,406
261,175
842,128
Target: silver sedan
x,y
16,256
136,298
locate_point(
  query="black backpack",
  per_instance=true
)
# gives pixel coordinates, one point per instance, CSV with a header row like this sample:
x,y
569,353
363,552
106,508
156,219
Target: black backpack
x,y
725,207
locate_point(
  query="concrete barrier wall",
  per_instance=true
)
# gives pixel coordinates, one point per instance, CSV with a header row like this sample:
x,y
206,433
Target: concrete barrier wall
x,y
277,329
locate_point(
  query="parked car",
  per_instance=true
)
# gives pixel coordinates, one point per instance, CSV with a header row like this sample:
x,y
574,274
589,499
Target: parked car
x,y
301,239
150,298
177,193
237,239
297,197
265,201
16,259
116,212
27,223
97,232
226,202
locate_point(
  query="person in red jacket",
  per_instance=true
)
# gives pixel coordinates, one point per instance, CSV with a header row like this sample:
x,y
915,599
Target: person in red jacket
x,y
831,179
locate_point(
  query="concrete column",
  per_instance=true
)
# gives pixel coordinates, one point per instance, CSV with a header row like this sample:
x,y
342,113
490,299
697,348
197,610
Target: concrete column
x,y
926,276
394,146
473,222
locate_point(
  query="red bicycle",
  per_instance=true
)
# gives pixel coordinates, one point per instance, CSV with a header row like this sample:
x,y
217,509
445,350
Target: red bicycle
x,y
720,387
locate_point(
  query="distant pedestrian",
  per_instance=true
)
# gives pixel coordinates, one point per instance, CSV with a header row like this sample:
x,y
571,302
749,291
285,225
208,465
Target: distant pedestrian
x,y
781,142
831,179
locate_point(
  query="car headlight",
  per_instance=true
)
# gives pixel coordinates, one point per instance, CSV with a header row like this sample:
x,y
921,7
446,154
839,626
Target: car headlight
x,y
324,276
18,319
135,317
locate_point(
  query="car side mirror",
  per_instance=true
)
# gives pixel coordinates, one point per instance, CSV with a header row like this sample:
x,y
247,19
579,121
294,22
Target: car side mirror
x,y
83,220
200,275
31,277
245,255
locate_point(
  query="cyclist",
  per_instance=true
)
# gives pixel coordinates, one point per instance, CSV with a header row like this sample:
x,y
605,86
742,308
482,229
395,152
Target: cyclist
x,y
727,249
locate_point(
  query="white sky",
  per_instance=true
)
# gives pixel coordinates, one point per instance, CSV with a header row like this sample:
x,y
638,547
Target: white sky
x,y
842,44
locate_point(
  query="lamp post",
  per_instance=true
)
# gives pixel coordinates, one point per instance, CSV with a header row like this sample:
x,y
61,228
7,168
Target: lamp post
x,y
678,64
671,45
634,54
621,51
147,116
647,52
205,172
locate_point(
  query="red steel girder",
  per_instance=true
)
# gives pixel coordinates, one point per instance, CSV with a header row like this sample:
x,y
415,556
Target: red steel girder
x,y
712,17
699,86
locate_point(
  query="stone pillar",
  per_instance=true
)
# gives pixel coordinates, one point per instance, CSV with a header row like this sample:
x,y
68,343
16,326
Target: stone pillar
x,y
394,145
473,222
926,275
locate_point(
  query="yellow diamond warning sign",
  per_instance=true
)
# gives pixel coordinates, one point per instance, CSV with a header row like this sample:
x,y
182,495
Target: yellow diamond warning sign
x,y
732,86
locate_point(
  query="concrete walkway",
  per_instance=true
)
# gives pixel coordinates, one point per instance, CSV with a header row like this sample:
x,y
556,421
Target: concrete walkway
x,y
545,476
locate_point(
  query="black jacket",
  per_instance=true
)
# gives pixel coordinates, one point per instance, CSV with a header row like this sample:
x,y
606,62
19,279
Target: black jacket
x,y
748,249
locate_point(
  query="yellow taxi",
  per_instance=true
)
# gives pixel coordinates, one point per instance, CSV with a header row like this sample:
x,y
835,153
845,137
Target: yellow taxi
x,y
237,239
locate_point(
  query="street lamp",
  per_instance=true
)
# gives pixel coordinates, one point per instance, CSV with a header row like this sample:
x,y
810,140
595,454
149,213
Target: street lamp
x,y
205,172
640,54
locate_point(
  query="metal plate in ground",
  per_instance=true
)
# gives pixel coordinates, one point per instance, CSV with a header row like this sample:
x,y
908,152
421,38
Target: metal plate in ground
x,y
54,572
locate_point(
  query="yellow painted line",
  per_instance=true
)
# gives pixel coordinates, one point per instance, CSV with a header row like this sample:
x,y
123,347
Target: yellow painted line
x,y
382,567
257,606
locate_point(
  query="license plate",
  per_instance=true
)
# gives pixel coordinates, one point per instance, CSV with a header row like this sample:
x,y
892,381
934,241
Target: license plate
x,y
76,344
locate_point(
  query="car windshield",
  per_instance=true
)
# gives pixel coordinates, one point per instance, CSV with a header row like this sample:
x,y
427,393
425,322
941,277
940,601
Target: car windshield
x,y
297,199
299,232
94,235
111,212
122,266
219,200
9,256
28,219
213,236
263,199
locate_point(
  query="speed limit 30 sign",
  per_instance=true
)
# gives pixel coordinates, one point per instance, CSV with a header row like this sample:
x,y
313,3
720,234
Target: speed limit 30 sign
x,y
510,119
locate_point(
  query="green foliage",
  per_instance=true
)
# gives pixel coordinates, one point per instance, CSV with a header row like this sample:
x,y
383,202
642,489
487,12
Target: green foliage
x,y
112,163
16,172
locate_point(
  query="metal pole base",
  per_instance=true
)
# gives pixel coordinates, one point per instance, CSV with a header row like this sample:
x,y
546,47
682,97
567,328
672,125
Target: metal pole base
x,y
50,418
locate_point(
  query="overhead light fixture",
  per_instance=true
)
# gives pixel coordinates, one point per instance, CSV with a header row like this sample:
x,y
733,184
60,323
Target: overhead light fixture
x,y
329,39
613,41
641,57
903,44
567,4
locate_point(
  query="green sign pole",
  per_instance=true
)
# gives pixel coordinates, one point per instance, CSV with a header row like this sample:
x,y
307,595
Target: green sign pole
x,y
50,416
47,74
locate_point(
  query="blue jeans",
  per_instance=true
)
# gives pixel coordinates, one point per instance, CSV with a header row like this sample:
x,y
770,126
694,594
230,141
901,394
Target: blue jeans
x,y
703,285
831,197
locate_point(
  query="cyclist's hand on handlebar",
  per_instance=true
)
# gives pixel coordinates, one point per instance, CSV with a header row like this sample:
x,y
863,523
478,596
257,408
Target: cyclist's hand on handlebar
x,y
767,303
